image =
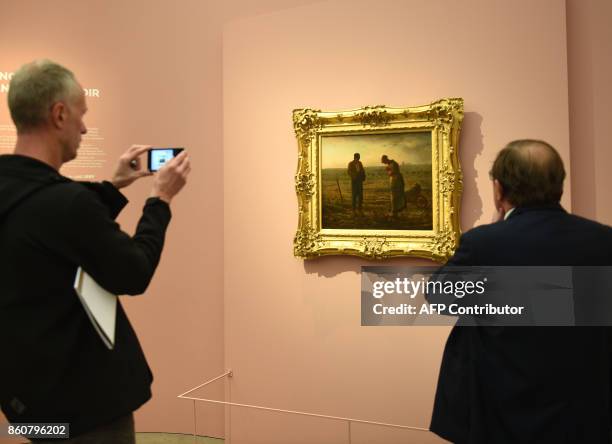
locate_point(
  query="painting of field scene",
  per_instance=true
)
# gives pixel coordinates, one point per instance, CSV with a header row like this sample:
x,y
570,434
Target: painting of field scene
x,y
361,189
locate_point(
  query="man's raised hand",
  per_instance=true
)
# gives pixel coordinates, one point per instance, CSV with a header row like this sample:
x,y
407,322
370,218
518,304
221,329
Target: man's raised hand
x,y
171,178
130,167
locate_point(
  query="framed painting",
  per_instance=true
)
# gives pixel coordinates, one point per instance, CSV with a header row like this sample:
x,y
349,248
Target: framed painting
x,y
379,182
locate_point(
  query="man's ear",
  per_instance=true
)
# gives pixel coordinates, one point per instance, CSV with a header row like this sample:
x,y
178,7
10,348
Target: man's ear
x,y
498,192
58,114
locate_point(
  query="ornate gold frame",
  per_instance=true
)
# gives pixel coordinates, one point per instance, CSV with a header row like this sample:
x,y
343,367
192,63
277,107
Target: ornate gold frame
x,y
443,118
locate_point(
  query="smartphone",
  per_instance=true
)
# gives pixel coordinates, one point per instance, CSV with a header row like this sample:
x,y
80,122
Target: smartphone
x,y
158,157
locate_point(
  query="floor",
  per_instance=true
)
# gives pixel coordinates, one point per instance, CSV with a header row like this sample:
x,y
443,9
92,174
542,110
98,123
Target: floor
x,y
174,438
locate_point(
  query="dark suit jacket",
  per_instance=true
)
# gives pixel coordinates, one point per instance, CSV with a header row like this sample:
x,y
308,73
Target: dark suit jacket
x,y
511,385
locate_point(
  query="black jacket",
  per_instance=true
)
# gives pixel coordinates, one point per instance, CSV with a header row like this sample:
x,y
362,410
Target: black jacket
x,y
520,385
54,367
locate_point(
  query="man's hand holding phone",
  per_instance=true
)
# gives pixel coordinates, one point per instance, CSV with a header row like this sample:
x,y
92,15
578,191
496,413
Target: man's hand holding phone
x,y
171,178
171,166
130,168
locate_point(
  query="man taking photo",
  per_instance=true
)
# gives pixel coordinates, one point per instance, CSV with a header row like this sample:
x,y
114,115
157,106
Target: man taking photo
x,y
55,368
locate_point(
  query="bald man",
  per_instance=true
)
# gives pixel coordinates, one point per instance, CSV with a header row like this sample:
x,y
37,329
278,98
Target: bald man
x,y
510,385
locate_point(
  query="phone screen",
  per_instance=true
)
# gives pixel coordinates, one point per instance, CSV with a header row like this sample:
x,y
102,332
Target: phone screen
x,y
158,157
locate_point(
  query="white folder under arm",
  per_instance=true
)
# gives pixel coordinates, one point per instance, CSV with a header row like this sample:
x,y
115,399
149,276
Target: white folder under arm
x,y
99,304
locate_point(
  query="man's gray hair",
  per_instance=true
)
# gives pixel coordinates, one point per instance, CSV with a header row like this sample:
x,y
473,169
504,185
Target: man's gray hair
x,y
34,88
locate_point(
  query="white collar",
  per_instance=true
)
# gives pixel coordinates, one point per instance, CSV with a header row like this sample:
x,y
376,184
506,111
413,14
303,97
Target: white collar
x,y
509,212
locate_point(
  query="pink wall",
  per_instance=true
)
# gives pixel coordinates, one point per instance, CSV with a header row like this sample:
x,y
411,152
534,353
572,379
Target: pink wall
x,y
292,327
158,67
590,95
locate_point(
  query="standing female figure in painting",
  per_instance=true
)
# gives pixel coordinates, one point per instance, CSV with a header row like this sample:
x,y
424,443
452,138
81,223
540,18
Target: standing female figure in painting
x,y
396,183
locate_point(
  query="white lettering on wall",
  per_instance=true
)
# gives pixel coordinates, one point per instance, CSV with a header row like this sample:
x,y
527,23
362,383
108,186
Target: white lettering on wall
x,y
92,92
8,75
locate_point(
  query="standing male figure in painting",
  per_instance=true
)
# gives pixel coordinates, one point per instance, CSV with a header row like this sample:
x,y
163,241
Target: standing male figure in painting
x,y
55,368
357,175
545,385
396,184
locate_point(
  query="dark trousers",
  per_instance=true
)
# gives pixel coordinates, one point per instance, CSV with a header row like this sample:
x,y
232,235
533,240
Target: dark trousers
x,y
120,431
357,193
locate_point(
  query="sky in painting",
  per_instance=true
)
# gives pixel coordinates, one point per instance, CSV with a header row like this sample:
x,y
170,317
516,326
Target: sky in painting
x,y
412,147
